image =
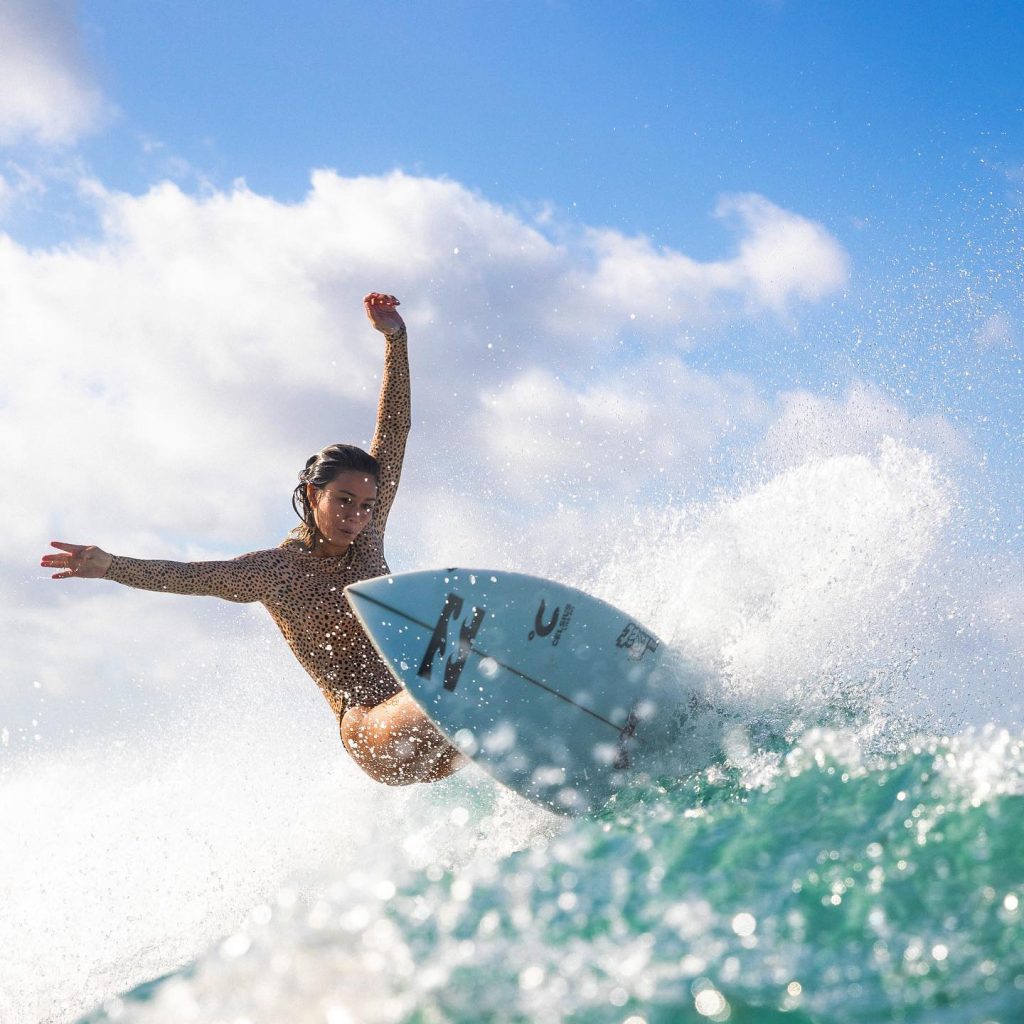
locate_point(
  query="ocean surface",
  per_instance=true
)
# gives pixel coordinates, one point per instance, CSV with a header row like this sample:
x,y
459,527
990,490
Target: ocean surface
x,y
819,884
840,839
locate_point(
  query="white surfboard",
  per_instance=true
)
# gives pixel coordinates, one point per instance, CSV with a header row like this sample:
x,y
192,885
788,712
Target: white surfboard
x,y
551,691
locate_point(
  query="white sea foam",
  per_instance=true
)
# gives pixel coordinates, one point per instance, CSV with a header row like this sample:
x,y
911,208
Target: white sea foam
x,y
120,863
839,583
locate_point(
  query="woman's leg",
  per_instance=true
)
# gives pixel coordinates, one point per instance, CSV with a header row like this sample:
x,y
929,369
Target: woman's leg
x,y
397,744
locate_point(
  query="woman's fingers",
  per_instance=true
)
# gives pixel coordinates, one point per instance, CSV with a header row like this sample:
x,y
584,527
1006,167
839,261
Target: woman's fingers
x,y
65,572
62,560
382,311
70,559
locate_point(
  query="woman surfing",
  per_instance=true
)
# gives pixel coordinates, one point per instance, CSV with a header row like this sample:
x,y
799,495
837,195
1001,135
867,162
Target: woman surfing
x,y
343,498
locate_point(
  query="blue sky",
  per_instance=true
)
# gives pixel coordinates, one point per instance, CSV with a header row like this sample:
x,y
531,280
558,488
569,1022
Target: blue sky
x,y
637,113
663,252
899,127
631,114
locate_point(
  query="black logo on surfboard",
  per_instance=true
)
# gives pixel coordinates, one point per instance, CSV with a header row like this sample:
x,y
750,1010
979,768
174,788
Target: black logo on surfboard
x,y
557,623
636,641
453,605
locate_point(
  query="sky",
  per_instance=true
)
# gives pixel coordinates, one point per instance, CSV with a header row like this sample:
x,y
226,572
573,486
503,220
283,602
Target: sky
x,y
654,257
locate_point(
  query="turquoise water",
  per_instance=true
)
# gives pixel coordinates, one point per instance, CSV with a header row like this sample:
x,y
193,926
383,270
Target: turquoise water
x,y
821,882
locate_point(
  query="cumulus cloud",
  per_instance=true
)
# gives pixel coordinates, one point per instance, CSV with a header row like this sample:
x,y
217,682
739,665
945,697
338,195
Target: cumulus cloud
x,y
47,93
218,339
655,417
781,259
782,256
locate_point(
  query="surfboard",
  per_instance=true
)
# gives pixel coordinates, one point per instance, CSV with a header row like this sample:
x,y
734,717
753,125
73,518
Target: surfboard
x,y
552,691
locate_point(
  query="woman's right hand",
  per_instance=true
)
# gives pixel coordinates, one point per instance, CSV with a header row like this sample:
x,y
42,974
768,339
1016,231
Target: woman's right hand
x,y
380,309
84,560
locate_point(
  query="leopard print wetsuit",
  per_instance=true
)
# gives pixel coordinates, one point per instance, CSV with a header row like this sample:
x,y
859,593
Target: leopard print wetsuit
x,y
302,591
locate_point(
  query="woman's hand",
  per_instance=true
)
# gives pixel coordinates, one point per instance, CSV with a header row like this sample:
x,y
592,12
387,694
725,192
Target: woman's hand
x,y
84,560
382,313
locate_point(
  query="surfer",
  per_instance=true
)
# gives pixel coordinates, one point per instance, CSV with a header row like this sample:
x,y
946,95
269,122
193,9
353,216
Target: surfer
x,y
343,499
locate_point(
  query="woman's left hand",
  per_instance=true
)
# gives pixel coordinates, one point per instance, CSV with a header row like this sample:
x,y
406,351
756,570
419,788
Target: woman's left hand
x,y
381,311
84,560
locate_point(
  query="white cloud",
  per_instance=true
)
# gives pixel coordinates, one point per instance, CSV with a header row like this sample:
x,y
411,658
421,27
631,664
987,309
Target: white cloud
x,y
656,417
218,339
47,93
782,259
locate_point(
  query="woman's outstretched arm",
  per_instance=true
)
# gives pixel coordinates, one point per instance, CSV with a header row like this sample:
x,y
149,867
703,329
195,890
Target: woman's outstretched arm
x,y
394,410
243,579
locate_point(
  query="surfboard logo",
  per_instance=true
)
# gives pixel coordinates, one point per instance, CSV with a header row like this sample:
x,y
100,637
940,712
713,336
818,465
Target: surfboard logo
x,y
438,645
557,624
636,641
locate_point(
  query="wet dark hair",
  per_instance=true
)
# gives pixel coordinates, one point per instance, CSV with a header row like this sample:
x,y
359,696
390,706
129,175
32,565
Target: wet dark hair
x,y
320,470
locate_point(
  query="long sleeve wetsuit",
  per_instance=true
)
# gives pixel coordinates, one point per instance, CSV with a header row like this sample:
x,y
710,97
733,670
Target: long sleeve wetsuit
x,y
304,592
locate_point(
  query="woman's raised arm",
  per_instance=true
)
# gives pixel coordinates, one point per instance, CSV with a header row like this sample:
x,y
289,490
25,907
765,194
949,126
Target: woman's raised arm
x,y
394,410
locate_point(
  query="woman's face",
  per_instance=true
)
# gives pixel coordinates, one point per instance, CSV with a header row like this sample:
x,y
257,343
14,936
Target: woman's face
x,y
342,508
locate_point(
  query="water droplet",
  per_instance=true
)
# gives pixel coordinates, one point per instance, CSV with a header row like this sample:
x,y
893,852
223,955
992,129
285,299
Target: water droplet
x,y
744,924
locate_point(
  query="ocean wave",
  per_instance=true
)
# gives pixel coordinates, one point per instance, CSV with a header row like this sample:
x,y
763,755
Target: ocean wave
x,y
817,882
